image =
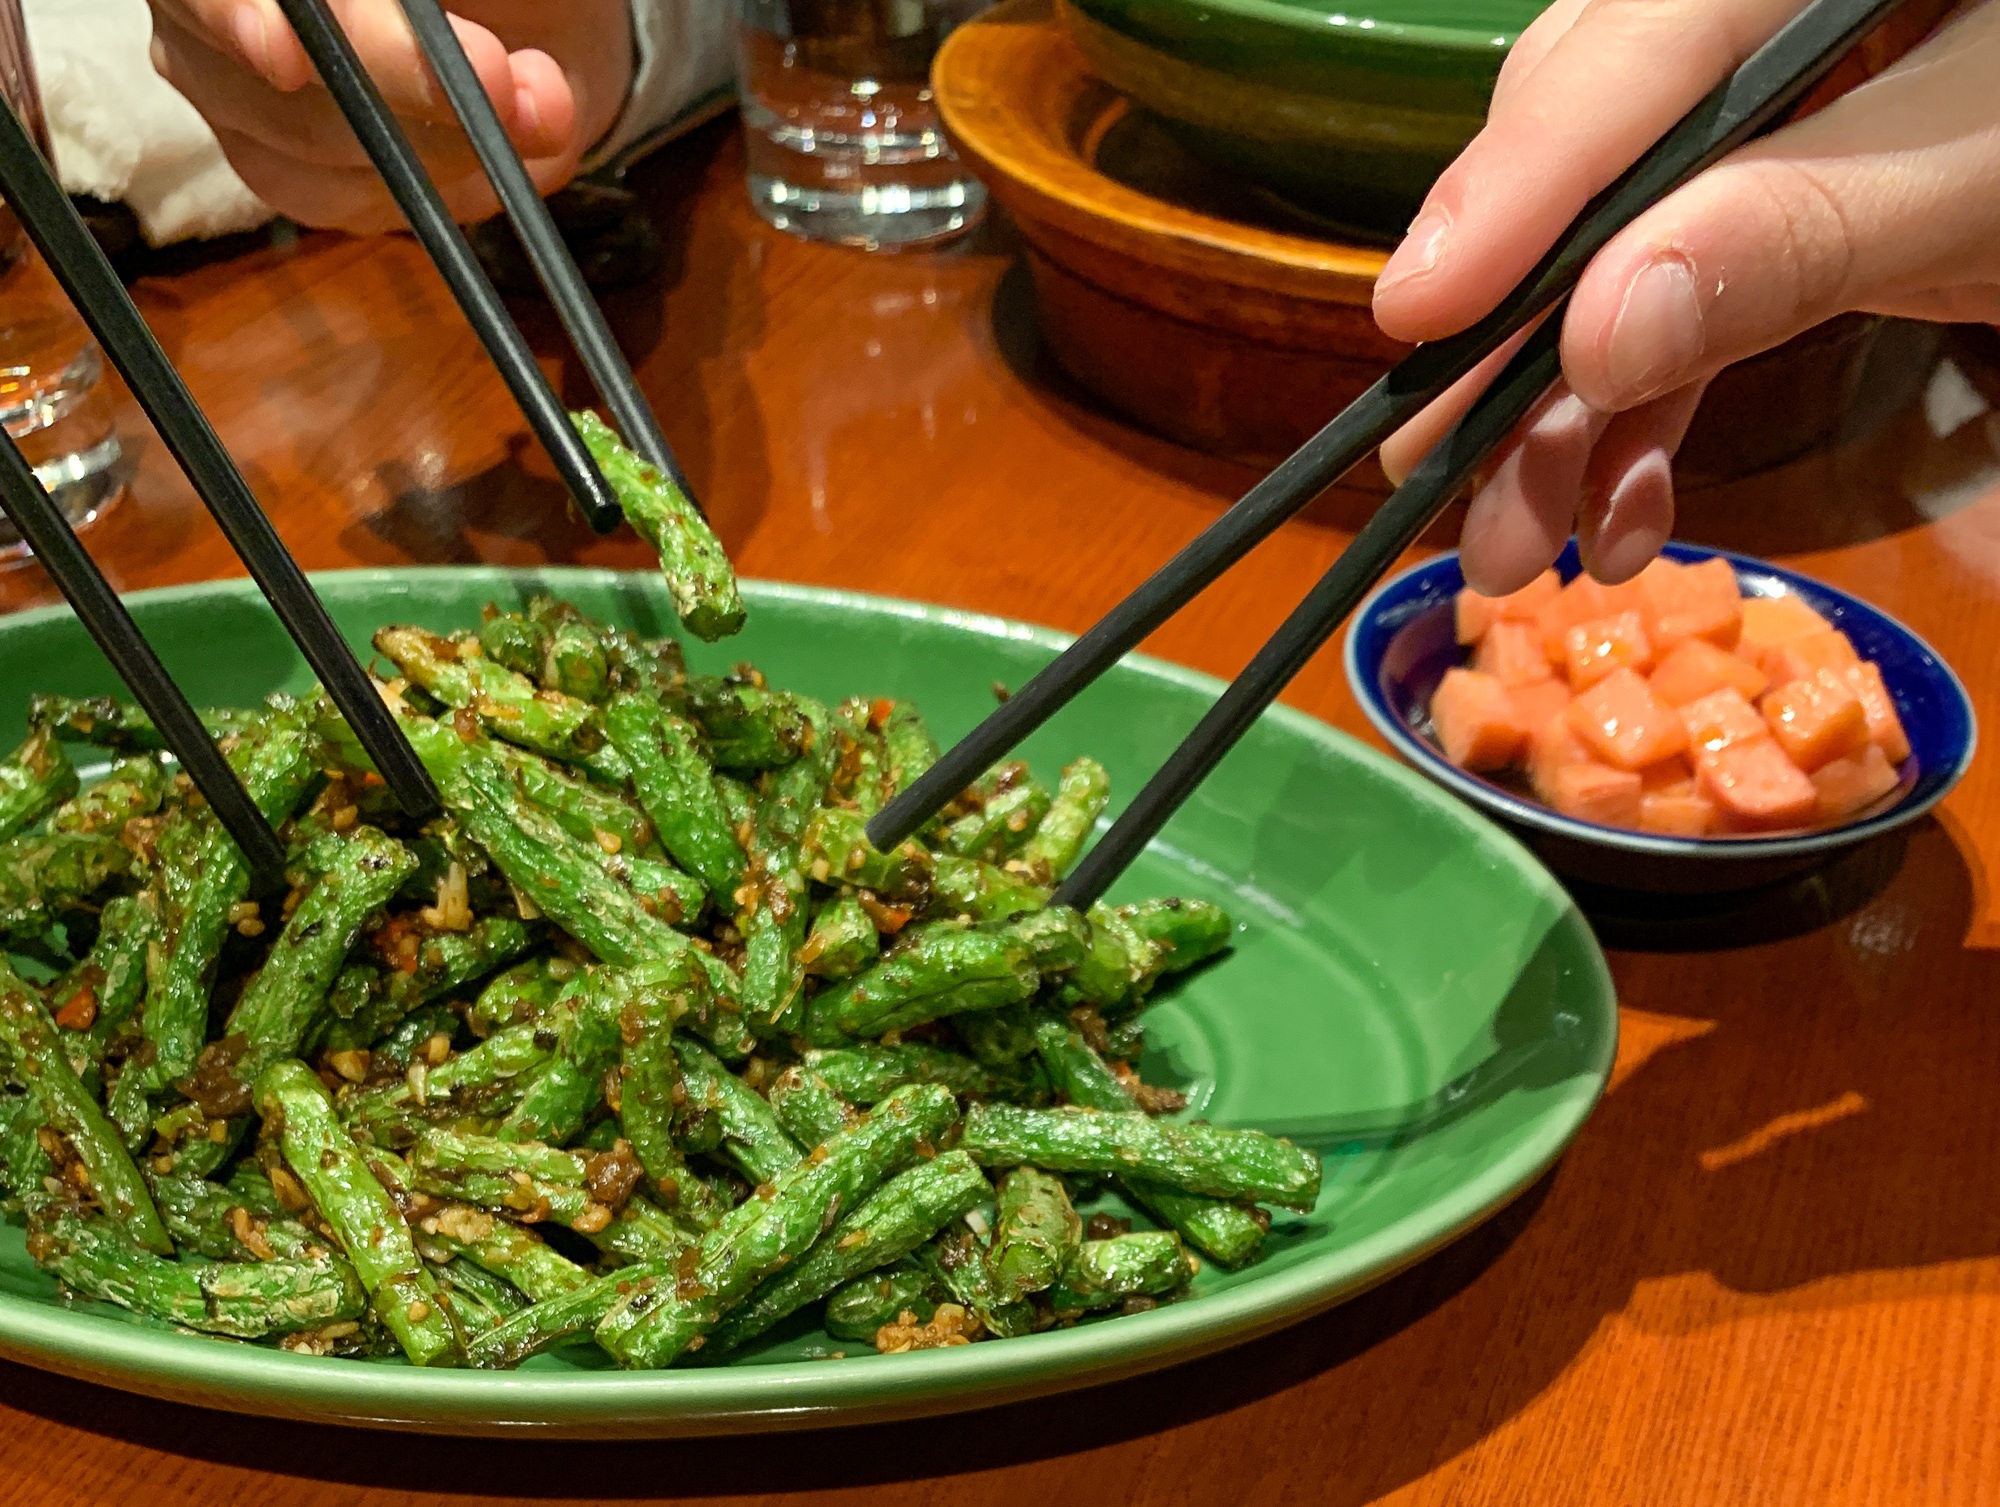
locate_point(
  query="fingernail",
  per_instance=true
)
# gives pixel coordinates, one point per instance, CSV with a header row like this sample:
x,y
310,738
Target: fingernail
x,y
1422,248
248,23
527,114
1637,518
1658,334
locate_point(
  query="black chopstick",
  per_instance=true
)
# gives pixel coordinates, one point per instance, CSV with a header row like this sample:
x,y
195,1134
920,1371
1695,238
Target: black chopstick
x,y
41,523
31,190
358,99
554,266
1756,96
1395,526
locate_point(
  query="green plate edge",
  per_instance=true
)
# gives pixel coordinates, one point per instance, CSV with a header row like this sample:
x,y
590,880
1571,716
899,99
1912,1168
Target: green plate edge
x,y
771,1397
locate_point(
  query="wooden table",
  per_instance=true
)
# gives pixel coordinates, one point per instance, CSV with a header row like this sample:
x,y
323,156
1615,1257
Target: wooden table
x,y
1769,1270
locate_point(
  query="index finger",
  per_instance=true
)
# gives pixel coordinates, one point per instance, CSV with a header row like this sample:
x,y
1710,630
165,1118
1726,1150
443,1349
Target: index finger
x,y
1608,88
256,33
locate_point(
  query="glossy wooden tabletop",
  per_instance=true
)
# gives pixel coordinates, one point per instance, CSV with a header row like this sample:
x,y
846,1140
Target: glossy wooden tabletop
x,y
1769,1269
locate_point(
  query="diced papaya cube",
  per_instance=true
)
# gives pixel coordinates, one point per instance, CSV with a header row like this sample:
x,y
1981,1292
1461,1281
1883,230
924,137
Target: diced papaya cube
x,y
1676,813
1771,621
1593,792
1885,728
1552,747
1673,776
1512,654
1719,719
1623,723
1539,700
1476,722
1853,784
1696,667
1828,649
1683,602
1593,650
1816,720
1581,601
1473,614
1755,787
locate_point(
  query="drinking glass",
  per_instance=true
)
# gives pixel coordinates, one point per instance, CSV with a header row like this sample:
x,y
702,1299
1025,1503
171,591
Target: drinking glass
x,y
844,139
52,392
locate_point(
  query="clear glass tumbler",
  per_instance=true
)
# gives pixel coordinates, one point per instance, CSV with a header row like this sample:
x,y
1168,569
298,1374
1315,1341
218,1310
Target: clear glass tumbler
x,y
52,392
843,135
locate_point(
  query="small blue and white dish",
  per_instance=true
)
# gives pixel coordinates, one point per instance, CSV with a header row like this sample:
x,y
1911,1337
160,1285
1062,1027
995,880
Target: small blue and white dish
x,y
1403,639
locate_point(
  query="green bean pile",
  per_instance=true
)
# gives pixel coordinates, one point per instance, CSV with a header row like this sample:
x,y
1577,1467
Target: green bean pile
x,y
641,1042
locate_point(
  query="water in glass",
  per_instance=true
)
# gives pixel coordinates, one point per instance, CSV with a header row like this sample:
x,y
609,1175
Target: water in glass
x,y
844,140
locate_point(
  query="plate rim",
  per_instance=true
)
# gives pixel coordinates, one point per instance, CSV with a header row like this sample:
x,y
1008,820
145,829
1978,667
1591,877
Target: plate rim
x,y
780,1395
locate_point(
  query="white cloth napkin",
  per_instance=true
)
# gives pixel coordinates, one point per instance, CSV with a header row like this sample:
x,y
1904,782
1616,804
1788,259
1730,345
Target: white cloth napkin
x,y
122,133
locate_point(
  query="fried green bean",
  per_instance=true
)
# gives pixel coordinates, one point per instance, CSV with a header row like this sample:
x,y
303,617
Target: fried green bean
x,y
898,1218
1035,1232
843,941
1105,1273
587,810
133,787
808,1109
837,851
869,1071
553,1319
38,1060
34,780
861,1307
1234,1164
956,1262
984,891
574,663
519,995
216,1221
513,639
754,1139
499,1246
692,562
40,877
1058,839
484,1082
1004,822
745,726
651,1093
358,1209
93,1001
762,1235
907,745
677,790
936,970
1227,1232
243,1300
367,1001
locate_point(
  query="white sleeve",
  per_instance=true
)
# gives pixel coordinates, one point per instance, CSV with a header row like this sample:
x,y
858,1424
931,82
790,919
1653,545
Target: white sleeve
x,y
684,74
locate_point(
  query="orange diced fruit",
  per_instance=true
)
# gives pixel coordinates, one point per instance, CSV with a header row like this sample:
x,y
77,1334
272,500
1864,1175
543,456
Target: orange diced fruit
x,y
1593,650
1512,654
1553,747
1684,602
1885,728
1538,701
1853,784
1771,621
1828,649
1581,601
1720,719
1676,813
1593,792
1674,776
1623,723
1695,667
1755,787
1816,720
1476,722
1474,614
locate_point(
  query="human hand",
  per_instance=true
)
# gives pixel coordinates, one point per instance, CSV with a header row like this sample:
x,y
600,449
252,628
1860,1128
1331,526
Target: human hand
x,y
557,74
1886,201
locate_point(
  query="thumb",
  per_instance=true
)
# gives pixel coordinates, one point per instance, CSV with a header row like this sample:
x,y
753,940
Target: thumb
x,y
1886,201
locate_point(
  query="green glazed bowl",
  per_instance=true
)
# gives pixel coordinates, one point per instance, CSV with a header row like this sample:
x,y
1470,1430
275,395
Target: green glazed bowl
x,y
1409,993
1347,109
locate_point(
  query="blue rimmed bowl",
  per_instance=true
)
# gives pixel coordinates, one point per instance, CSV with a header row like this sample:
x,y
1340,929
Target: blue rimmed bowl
x,y
1403,640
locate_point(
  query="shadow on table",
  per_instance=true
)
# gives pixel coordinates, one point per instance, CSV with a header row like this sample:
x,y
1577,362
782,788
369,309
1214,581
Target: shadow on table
x,y
1782,1117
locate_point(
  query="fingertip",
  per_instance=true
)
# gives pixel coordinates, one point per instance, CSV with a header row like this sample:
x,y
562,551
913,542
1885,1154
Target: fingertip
x,y
544,105
1624,527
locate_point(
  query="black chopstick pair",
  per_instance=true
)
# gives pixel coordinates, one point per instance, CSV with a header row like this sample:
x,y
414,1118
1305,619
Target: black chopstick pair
x,y
1755,98
29,186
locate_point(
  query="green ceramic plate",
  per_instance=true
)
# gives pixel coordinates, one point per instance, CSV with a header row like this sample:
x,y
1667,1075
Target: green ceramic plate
x,y
1410,993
